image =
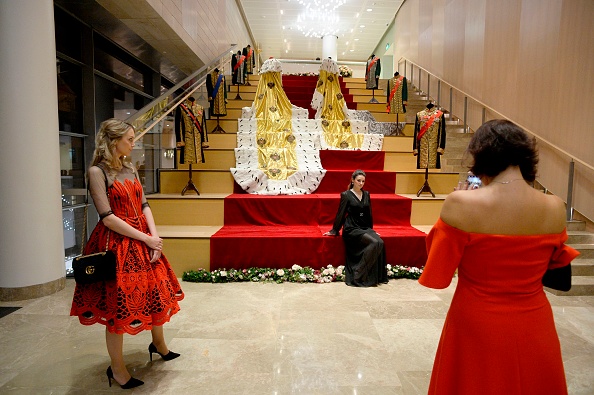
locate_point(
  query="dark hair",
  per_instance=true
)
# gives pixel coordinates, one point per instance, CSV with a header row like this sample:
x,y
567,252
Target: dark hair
x,y
498,144
356,173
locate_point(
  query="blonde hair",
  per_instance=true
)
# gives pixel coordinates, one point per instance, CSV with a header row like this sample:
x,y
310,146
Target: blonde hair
x,y
110,132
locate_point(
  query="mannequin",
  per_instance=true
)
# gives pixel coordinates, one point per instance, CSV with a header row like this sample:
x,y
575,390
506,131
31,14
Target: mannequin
x,y
372,72
217,96
250,59
239,70
397,95
190,135
429,141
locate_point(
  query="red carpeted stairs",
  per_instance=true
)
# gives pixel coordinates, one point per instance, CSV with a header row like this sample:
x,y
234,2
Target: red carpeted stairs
x,y
300,90
280,231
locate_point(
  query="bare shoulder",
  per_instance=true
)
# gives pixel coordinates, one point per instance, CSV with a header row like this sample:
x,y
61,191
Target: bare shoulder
x,y
556,207
458,208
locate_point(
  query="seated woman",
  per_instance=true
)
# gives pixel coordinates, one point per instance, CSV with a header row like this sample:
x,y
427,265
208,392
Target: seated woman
x,y
365,252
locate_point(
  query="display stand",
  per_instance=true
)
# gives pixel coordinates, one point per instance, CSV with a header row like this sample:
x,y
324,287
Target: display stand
x,y
238,97
426,187
190,185
398,128
373,99
218,128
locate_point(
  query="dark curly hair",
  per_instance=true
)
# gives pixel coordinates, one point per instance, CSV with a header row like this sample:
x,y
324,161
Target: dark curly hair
x,y
498,144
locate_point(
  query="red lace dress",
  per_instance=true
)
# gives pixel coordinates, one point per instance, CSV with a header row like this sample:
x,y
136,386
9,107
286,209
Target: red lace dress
x,y
144,294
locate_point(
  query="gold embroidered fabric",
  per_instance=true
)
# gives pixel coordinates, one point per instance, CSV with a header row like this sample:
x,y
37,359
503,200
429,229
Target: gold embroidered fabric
x,y
429,143
219,106
192,138
337,129
274,135
396,102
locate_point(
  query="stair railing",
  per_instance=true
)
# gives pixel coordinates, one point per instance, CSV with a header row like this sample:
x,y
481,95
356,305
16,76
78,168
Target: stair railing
x,y
155,149
407,68
150,115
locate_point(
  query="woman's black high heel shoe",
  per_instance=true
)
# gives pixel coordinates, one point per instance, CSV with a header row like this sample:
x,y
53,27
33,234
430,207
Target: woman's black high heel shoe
x,y
167,357
132,383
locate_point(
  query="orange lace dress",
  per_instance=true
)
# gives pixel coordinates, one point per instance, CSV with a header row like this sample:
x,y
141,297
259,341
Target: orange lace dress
x,y
499,335
143,294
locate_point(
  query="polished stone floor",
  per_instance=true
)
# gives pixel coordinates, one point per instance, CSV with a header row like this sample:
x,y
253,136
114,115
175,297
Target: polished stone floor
x,y
251,338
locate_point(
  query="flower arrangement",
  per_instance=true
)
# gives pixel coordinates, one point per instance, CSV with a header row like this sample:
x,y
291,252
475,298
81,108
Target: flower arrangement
x,y
296,274
345,71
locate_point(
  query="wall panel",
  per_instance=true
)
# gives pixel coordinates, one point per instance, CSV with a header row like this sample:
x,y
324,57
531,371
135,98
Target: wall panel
x,y
529,60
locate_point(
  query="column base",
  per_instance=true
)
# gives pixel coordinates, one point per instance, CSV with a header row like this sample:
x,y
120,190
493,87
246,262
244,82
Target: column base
x,y
32,291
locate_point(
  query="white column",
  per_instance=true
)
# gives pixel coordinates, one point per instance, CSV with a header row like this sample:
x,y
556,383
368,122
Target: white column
x,y
329,47
31,239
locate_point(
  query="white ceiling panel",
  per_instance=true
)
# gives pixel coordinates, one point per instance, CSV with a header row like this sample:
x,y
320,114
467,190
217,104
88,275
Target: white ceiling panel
x,y
277,33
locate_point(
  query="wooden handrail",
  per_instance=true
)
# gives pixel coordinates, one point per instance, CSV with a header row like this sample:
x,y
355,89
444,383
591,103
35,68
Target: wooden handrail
x,y
561,150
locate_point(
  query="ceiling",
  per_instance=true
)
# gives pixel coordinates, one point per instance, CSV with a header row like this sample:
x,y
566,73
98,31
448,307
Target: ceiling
x,y
274,26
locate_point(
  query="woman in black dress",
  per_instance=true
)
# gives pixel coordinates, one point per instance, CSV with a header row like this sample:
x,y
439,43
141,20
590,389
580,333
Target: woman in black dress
x,y
365,252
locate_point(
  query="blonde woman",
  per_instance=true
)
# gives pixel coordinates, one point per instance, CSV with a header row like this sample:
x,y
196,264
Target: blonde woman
x,y
146,292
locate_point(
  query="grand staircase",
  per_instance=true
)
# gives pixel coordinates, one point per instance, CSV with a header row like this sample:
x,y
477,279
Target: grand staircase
x,y
187,222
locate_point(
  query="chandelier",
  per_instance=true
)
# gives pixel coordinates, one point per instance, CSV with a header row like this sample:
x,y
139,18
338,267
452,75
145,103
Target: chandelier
x,y
319,18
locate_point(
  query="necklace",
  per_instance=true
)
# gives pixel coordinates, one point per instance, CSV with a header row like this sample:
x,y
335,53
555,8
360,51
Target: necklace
x,y
508,181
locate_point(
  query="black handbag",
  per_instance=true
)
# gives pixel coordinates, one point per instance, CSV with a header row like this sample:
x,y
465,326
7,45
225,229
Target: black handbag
x,y
94,268
558,279
97,267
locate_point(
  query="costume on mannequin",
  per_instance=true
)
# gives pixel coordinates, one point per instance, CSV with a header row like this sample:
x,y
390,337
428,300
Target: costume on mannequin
x,y
397,94
250,59
429,137
372,72
238,67
190,131
217,93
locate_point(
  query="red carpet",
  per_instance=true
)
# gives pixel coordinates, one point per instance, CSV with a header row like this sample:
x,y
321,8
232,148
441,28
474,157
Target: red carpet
x,y
300,90
280,231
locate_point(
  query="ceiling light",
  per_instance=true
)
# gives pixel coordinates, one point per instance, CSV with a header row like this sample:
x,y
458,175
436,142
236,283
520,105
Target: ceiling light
x,y
318,22
285,40
283,28
356,39
352,50
368,10
282,12
362,26
357,15
286,51
347,43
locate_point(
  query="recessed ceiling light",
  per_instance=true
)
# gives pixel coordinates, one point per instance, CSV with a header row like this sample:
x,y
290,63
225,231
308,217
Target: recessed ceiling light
x,y
283,28
282,12
347,43
357,15
368,10
352,50
362,26
286,51
356,39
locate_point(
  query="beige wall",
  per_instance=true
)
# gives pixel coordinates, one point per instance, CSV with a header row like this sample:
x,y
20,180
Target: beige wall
x,y
530,60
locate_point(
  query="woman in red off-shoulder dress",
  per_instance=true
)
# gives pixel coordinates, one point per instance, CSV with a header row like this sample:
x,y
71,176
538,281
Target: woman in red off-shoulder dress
x,y
499,335
146,292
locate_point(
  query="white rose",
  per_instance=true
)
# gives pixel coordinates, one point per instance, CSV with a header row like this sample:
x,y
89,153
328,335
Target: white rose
x,y
280,272
296,267
223,273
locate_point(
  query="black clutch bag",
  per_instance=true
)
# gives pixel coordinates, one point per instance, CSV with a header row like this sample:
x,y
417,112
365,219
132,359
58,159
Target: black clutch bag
x,y
558,279
98,267
94,268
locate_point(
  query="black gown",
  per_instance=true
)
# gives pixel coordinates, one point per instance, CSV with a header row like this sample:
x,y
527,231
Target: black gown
x,y
365,252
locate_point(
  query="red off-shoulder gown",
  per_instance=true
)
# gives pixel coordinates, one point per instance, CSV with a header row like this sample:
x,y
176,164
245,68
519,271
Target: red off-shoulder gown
x,y
144,294
499,336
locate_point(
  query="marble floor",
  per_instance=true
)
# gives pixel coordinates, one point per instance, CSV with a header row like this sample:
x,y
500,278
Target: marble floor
x,y
251,338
